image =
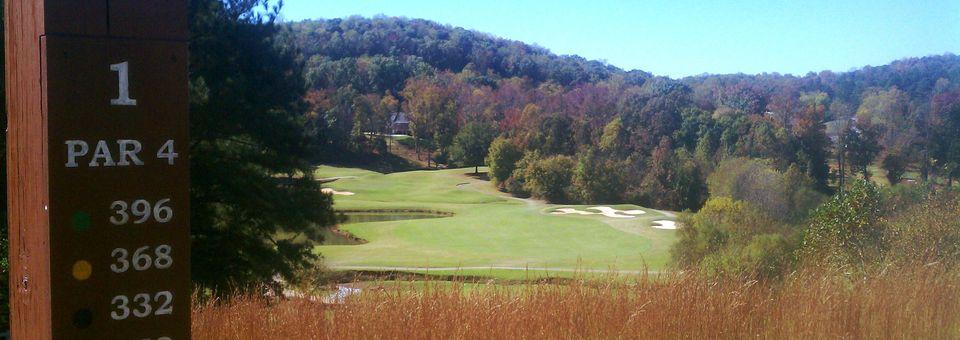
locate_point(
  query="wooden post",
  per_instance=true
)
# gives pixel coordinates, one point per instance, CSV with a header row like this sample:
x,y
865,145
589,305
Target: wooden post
x,y
98,171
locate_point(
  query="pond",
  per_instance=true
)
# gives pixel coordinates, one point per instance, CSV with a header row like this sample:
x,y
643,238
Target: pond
x,y
364,217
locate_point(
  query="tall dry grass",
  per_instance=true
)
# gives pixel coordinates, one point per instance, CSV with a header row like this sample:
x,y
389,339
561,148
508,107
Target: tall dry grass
x,y
923,303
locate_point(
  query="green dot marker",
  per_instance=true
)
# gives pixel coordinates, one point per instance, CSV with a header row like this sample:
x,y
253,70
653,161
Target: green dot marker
x,y
81,221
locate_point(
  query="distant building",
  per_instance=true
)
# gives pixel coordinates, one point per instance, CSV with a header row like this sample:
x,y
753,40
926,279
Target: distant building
x,y
399,124
836,128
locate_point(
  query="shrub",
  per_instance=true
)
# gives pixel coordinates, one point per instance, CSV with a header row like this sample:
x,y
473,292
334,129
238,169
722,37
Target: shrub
x,y
549,178
901,197
896,166
379,145
729,237
515,187
787,196
847,231
802,195
518,179
750,180
925,233
440,157
502,159
766,256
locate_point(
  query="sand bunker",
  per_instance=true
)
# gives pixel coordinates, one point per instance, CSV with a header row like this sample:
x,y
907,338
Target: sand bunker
x,y
567,211
605,211
331,191
343,292
664,224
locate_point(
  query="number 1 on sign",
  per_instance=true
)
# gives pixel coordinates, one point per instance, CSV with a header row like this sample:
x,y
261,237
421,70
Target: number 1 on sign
x,y
123,75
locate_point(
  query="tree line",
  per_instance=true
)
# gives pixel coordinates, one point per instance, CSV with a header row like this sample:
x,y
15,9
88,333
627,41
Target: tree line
x,y
582,131
269,100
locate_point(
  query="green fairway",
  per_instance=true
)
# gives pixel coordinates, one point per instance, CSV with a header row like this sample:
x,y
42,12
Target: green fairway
x,y
489,233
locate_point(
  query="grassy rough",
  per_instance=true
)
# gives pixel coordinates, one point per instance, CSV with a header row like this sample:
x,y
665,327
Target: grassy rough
x,y
917,303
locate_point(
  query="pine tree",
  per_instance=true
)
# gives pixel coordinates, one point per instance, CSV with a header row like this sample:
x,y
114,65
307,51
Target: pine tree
x,y
250,178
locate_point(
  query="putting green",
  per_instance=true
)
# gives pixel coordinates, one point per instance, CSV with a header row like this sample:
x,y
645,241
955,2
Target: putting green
x,y
489,232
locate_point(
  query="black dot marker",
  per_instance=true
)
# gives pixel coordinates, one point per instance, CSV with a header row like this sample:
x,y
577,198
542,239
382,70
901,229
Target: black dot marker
x,y
83,318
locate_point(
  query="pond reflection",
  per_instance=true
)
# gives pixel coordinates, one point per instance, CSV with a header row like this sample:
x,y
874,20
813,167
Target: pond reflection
x,y
365,217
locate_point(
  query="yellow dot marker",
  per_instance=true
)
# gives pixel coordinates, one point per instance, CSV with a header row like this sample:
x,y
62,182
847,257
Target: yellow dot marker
x,y
82,270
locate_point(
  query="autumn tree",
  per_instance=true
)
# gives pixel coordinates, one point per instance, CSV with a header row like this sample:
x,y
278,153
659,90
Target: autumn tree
x,y
887,111
946,138
651,113
333,121
597,179
740,98
470,146
387,106
784,196
423,102
613,138
431,104
672,181
811,135
861,147
363,119
554,135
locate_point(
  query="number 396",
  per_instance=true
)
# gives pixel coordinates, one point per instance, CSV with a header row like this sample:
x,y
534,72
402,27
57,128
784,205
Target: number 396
x,y
141,211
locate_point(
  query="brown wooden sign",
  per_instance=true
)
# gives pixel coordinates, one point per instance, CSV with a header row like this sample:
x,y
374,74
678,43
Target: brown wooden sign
x,y
98,169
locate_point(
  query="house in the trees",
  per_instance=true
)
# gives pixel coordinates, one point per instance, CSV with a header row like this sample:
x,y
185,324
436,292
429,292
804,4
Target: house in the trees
x,y
836,128
399,124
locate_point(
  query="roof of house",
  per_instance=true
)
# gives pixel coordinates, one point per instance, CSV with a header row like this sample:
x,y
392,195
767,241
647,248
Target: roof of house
x,y
399,118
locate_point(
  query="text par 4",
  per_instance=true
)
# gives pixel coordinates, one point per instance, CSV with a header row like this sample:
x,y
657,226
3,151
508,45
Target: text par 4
x,y
116,153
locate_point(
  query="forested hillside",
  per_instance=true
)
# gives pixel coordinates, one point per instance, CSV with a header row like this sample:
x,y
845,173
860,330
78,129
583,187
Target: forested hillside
x,y
573,130
772,175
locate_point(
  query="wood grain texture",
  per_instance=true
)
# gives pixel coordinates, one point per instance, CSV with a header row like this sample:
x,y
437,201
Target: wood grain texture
x,y
149,19
76,17
58,54
158,82
27,172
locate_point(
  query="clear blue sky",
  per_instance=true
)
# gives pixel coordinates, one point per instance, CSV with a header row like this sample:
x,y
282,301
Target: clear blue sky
x,y
681,38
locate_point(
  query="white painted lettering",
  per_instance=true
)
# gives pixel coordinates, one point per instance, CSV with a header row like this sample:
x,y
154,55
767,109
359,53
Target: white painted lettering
x,y
128,151
76,148
102,152
123,80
